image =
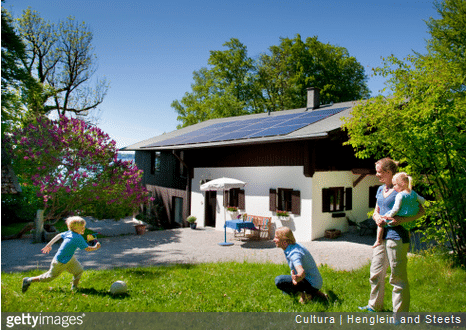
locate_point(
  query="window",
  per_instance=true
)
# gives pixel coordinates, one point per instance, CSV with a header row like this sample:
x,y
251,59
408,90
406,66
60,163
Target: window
x,y
234,197
285,200
337,199
155,162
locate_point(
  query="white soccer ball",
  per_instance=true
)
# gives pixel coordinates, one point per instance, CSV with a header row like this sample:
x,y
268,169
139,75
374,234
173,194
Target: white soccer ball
x,y
118,287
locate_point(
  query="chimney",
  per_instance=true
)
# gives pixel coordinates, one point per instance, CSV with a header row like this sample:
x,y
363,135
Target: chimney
x,y
313,98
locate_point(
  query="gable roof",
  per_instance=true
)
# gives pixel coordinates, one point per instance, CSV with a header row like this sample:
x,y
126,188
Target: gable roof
x,y
287,125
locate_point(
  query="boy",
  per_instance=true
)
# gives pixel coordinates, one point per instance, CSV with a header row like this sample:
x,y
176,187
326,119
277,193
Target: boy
x,y
64,258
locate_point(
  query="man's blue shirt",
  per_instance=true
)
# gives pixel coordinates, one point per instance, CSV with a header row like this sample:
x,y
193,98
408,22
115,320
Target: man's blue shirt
x,y
296,255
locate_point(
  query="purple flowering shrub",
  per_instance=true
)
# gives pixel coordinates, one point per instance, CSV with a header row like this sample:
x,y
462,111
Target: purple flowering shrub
x,y
75,168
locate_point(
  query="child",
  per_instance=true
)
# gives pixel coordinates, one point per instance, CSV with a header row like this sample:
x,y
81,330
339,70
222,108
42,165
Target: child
x,y
406,202
64,258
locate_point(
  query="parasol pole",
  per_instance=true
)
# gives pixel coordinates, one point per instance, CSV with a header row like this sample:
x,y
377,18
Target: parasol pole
x,y
225,243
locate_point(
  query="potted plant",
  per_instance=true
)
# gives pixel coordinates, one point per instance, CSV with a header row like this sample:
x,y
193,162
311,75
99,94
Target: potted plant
x,y
232,208
192,222
283,215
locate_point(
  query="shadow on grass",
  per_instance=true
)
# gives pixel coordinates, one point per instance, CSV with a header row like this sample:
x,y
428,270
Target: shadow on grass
x,y
102,293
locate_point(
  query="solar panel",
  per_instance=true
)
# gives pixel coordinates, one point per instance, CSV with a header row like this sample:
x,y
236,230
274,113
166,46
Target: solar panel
x,y
251,128
275,131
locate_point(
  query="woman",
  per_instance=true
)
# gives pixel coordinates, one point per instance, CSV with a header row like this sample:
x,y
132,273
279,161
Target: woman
x,y
394,248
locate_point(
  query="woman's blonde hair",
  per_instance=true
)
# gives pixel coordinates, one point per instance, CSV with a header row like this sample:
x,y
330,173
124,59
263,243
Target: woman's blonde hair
x,y
404,177
75,222
388,165
284,233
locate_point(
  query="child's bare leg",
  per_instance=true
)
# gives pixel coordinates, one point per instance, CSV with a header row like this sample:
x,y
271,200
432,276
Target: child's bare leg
x,y
379,239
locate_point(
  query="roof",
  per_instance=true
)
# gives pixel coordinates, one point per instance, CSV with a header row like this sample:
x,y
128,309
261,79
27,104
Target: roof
x,y
287,125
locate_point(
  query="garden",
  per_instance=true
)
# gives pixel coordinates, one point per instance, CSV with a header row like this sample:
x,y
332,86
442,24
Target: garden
x,y
436,284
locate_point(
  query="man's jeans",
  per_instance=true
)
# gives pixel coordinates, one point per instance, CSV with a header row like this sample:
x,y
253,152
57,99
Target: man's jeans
x,y
285,284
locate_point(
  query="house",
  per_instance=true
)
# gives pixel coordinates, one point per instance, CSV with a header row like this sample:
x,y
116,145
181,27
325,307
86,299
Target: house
x,y
291,160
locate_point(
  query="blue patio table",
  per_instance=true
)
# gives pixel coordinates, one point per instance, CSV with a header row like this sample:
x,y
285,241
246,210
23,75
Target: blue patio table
x,y
239,224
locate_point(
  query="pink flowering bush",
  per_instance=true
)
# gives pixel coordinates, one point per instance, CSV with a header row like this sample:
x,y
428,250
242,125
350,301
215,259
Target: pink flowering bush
x,y
75,169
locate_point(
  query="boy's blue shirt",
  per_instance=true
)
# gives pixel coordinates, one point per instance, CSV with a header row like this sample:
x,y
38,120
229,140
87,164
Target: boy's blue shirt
x,y
71,242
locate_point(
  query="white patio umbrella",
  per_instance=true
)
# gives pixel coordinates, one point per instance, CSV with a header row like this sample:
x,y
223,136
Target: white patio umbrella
x,y
223,184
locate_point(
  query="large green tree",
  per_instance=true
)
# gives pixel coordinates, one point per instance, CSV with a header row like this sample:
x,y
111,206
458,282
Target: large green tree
x,y
290,68
60,56
19,88
423,124
235,84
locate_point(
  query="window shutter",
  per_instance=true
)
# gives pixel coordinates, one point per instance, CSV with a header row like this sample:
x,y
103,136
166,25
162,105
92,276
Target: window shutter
x,y
273,200
349,198
296,202
241,200
325,200
226,198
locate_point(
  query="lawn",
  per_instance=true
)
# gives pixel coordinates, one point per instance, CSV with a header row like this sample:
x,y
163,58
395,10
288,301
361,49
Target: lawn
x,y
436,286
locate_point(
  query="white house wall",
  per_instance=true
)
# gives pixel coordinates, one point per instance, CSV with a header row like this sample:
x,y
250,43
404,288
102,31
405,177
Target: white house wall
x,y
324,220
259,182
261,179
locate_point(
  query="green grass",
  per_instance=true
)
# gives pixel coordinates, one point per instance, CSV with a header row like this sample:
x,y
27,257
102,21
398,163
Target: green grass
x,y
436,286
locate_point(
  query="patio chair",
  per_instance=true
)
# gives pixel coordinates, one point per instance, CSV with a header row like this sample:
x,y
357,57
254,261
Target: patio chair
x,y
367,225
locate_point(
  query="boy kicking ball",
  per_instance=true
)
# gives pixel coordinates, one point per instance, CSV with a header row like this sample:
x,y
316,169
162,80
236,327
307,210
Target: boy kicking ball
x,y
64,258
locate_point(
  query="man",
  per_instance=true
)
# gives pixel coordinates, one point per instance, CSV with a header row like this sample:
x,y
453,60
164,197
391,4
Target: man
x,y
305,278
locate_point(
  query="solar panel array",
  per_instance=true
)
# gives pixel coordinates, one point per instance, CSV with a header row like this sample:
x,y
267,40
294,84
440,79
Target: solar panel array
x,y
251,128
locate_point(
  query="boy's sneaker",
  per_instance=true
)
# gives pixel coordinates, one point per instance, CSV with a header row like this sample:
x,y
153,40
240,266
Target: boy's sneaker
x,y
26,283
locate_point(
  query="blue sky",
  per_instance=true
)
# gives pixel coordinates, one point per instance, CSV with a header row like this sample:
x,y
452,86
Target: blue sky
x,y
149,49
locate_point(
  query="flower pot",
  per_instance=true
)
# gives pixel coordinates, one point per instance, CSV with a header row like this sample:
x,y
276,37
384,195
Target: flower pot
x,y
193,225
140,229
332,233
284,218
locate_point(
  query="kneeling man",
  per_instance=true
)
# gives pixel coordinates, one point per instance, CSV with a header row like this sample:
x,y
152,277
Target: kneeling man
x,y
305,278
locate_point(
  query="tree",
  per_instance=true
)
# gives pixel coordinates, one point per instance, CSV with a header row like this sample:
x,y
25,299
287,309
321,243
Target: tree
x,y
423,125
235,84
61,58
222,91
294,65
75,168
19,88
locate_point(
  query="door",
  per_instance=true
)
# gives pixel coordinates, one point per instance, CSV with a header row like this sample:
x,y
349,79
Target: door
x,y
178,210
210,208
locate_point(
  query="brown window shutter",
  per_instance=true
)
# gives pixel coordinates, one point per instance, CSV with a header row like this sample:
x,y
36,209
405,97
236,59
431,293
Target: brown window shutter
x,y
296,202
273,200
349,198
241,200
226,197
325,200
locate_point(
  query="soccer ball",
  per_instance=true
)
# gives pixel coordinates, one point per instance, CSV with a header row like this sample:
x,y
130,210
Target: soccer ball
x,y
118,287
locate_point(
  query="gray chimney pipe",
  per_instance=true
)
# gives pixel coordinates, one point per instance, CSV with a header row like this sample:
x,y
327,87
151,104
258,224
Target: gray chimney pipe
x,y
313,101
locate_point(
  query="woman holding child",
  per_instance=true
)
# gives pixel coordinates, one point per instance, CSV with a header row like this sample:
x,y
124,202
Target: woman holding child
x,y
393,249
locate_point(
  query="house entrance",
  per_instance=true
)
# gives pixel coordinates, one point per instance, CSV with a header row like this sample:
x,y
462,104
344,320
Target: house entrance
x,y
210,208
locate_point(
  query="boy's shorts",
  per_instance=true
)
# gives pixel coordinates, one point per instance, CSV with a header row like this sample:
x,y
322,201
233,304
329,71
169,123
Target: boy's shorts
x,y
56,268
